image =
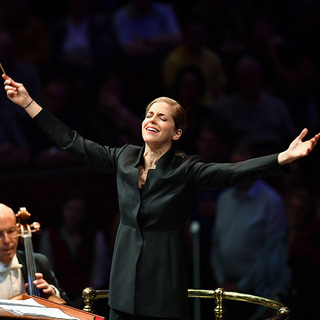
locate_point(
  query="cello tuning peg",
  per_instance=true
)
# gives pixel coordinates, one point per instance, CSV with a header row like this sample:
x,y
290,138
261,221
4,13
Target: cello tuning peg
x,y
36,226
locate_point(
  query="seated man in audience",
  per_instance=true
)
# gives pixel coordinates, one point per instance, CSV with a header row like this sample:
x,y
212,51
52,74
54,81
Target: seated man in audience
x,y
13,267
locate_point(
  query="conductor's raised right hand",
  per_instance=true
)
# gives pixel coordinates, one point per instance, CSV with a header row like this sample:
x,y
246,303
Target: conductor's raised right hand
x,y
16,92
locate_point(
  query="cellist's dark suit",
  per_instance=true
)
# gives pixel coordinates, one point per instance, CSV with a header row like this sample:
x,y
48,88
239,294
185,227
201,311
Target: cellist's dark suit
x,y
42,266
148,274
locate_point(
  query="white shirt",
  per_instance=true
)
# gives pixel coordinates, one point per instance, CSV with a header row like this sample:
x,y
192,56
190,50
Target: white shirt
x,y
11,279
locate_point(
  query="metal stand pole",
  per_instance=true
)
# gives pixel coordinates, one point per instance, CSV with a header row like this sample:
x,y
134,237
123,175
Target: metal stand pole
x,y
194,230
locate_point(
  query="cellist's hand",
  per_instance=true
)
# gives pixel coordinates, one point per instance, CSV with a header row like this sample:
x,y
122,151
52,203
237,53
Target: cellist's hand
x,y
43,285
16,92
298,148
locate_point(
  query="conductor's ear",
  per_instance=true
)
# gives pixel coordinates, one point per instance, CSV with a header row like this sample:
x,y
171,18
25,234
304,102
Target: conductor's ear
x,y
177,135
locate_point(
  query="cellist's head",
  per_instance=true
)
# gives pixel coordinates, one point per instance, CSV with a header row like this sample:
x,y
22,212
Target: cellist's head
x,y
8,234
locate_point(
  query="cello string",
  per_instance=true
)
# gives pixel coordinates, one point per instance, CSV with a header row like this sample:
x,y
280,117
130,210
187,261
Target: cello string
x,y
33,290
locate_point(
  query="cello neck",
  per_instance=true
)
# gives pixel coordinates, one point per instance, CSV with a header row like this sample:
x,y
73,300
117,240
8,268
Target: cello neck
x,y
31,265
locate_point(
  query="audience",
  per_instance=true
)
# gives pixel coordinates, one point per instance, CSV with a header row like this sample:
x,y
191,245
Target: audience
x,y
111,122
194,52
188,89
82,39
304,254
14,144
145,27
249,250
58,100
255,117
273,52
302,95
146,31
29,31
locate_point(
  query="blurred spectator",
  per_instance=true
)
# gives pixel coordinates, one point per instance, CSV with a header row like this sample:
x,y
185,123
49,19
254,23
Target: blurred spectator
x,y
255,117
216,16
30,32
57,98
228,35
249,251
137,85
213,141
252,30
188,89
296,179
76,248
302,96
304,258
194,52
302,25
145,27
212,146
146,30
14,125
82,39
111,122
274,52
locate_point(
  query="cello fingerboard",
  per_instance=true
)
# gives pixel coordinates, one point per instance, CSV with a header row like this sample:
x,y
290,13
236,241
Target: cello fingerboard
x,y
33,290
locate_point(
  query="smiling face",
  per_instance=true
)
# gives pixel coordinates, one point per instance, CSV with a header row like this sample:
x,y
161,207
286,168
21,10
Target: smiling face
x,y
8,234
158,127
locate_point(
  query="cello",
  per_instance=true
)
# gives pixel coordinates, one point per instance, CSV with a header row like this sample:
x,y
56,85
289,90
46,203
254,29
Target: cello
x,y
25,231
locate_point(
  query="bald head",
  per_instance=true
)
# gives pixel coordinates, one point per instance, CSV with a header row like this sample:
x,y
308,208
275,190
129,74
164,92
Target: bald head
x,y
8,234
6,211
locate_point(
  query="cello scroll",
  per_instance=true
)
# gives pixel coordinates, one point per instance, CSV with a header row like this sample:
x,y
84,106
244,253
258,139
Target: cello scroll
x,y
22,216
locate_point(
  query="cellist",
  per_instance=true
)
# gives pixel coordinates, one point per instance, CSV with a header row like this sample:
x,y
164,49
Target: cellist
x,y
13,266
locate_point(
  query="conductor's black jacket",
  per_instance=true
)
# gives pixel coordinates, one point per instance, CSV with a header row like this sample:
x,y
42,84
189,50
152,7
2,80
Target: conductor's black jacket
x,y
148,274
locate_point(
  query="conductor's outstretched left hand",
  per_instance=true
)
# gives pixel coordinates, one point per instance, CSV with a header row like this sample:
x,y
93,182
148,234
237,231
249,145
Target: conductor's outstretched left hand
x,y
298,148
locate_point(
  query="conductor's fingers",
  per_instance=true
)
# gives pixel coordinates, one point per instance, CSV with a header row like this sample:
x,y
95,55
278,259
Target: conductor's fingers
x,y
11,91
10,88
303,133
10,81
315,139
